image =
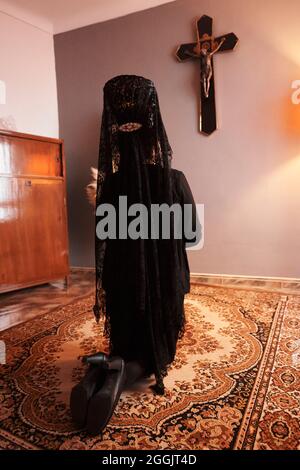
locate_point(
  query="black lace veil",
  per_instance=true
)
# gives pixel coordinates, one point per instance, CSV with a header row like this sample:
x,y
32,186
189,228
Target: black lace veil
x,y
133,142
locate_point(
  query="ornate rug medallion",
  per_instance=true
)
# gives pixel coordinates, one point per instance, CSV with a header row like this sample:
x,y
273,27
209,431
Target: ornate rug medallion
x,y
233,385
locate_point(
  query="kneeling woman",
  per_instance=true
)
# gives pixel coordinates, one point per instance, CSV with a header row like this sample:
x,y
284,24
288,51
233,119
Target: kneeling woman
x,y
140,281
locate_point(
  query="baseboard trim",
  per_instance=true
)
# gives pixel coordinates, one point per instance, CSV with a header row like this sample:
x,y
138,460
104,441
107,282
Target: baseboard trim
x,y
287,285
278,284
81,268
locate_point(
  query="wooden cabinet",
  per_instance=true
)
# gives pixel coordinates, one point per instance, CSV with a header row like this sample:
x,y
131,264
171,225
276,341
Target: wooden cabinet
x,y
33,216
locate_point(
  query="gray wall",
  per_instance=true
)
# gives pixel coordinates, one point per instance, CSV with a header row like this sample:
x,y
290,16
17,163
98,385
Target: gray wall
x,y
246,173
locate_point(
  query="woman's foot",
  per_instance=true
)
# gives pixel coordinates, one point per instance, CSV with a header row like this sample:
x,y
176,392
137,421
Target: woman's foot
x,y
82,393
92,381
134,372
102,404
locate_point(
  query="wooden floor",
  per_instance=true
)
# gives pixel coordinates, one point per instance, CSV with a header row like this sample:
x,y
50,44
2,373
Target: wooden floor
x,y
22,305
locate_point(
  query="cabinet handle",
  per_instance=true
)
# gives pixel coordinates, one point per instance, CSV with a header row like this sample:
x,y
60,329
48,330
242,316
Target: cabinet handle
x,y
27,182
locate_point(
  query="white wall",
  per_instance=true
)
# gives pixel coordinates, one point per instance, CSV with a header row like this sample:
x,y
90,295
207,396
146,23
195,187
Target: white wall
x,y
27,66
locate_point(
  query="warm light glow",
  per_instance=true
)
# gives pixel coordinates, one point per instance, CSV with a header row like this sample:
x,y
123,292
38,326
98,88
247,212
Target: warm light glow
x,y
289,47
280,188
286,177
291,114
281,30
39,165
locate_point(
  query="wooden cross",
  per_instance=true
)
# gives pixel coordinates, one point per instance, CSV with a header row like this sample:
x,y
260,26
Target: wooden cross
x,y
204,50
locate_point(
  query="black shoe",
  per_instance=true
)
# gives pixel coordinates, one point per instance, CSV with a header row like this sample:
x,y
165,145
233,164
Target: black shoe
x,y
101,406
82,393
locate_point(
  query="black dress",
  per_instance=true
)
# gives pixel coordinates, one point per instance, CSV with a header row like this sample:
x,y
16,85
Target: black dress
x,y
129,333
140,283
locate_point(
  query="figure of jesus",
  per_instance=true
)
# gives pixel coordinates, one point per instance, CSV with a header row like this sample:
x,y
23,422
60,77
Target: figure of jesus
x,y
205,56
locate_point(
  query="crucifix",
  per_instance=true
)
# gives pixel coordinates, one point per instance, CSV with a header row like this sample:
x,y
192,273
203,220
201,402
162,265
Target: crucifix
x,y
204,50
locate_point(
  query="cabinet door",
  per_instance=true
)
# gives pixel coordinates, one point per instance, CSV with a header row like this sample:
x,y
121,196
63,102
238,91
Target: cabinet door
x,y
33,238
21,156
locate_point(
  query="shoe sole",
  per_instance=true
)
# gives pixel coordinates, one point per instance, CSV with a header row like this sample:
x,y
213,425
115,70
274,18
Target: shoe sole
x,y
78,405
97,416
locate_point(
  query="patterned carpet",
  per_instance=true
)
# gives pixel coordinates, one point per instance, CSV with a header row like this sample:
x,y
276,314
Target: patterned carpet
x,y
235,383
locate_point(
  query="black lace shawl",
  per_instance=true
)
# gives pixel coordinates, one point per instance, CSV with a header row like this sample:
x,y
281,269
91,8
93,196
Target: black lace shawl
x,y
133,155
